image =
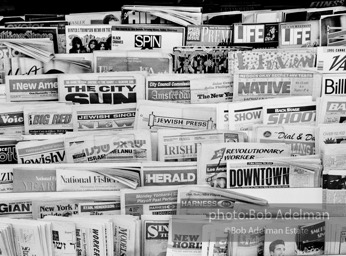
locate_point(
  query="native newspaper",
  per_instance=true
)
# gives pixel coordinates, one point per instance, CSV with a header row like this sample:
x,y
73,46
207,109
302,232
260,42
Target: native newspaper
x,y
249,85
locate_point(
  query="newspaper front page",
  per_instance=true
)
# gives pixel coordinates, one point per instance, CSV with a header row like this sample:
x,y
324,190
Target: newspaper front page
x,y
121,146
250,85
103,117
331,109
11,119
41,152
146,201
105,88
156,115
181,146
290,113
25,88
190,88
212,158
329,134
164,174
301,138
48,119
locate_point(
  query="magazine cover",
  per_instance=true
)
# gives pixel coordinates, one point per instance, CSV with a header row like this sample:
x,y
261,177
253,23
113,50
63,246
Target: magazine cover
x,y
209,35
272,59
147,37
332,29
88,18
256,35
152,62
333,84
33,32
201,59
88,38
331,59
299,34
60,24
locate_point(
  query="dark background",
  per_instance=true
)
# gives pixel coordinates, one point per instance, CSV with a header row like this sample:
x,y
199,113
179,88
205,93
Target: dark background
x,y
20,7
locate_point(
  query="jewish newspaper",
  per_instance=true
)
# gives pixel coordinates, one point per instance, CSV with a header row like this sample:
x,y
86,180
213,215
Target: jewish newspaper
x,y
122,146
181,145
164,174
25,88
41,152
103,117
249,85
212,158
301,138
156,115
105,88
190,88
146,201
48,119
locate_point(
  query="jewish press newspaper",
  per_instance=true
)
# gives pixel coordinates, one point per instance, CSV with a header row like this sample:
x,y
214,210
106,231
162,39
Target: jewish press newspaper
x,y
152,116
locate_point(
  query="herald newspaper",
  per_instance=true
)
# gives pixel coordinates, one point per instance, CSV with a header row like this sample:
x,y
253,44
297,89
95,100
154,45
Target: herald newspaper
x,y
212,158
249,85
164,174
181,145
